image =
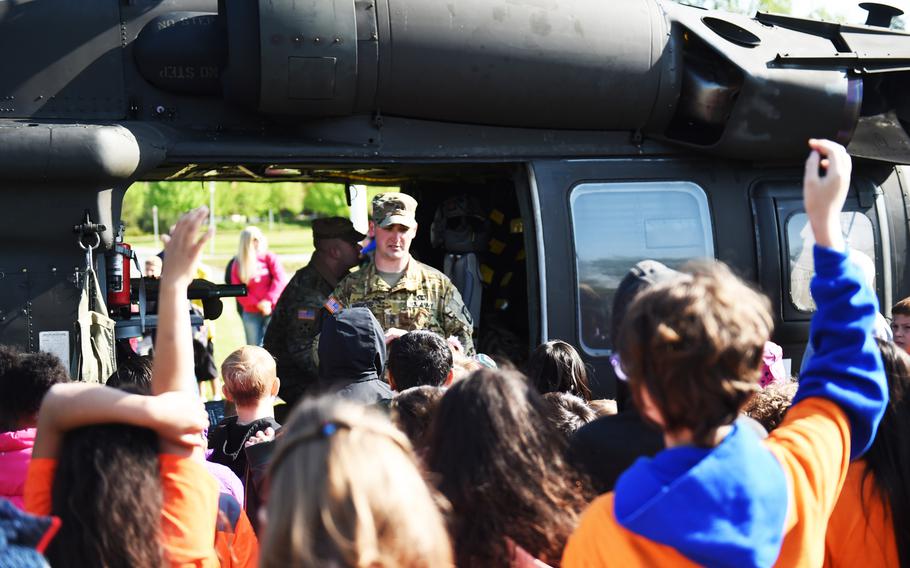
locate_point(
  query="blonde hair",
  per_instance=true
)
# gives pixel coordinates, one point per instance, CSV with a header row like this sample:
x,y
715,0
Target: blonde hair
x,y
249,374
347,491
252,242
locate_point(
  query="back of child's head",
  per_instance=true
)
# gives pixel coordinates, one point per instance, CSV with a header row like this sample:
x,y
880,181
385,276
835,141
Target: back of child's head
x,y
888,459
135,371
770,404
419,358
413,410
693,346
567,412
555,366
24,380
107,494
901,308
249,375
345,490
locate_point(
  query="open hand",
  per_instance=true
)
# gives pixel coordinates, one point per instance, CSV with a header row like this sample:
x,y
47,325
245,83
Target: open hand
x,y
824,194
179,417
184,248
393,333
260,436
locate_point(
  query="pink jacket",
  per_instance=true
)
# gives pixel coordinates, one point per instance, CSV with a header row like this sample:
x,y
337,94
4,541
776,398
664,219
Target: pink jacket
x,y
15,453
267,282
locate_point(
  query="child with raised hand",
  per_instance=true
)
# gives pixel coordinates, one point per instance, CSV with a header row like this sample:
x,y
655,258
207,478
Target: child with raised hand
x,y
123,471
692,349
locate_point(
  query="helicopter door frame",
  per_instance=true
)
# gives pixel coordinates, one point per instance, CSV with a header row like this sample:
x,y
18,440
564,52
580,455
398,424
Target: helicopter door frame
x,y
776,203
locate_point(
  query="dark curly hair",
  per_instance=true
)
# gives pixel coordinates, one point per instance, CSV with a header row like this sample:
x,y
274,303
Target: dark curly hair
x,y
107,493
502,466
135,370
24,380
769,405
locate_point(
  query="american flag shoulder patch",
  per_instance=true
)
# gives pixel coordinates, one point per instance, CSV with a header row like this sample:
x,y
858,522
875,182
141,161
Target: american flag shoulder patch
x,y
306,314
332,305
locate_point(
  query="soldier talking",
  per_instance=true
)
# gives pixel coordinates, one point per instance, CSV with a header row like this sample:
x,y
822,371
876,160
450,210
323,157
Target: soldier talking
x,y
403,293
294,319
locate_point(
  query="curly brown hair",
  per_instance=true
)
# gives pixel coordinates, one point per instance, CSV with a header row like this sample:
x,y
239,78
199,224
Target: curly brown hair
x,y
769,405
695,345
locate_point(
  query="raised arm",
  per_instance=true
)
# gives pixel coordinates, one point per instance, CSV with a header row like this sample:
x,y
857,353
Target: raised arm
x,y
176,417
172,369
846,367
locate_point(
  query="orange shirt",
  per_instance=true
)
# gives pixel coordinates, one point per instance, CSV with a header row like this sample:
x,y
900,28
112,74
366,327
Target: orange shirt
x,y
812,445
237,546
860,531
190,497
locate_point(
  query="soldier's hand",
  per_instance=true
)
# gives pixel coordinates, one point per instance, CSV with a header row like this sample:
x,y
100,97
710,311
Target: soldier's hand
x,y
456,345
393,333
824,193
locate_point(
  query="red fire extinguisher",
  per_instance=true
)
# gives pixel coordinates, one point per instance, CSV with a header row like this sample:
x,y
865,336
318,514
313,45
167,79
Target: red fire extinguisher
x,y
118,274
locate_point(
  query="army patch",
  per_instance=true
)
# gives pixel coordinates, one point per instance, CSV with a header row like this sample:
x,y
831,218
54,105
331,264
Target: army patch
x,y
306,315
332,305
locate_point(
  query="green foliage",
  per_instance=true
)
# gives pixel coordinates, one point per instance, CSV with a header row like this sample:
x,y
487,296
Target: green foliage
x,y
286,201
326,199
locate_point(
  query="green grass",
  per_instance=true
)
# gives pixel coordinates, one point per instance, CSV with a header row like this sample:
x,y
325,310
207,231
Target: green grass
x,y
292,243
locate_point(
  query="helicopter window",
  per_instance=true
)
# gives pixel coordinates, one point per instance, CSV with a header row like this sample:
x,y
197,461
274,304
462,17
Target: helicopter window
x,y
618,224
859,235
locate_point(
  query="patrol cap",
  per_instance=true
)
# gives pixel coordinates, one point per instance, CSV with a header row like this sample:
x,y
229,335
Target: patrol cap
x,y
394,209
336,228
644,274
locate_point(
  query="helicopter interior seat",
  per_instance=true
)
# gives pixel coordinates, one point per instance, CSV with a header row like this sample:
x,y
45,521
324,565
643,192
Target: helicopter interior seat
x,y
480,223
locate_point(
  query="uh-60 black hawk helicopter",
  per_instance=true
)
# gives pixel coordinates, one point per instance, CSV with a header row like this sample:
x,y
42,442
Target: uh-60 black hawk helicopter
x,y
591,133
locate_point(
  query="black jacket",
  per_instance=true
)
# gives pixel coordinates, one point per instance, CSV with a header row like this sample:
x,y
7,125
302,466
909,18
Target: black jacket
x,y
228,438
352,356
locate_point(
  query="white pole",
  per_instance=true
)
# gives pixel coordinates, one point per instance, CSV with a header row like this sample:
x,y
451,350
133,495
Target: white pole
x,y
212,217
271,220
155,224
359,208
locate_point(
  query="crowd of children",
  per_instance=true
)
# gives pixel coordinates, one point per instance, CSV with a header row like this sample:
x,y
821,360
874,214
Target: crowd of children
x,y
416,456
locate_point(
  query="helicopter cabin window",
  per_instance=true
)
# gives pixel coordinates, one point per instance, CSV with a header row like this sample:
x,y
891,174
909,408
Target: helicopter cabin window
x,y
616,225
859,235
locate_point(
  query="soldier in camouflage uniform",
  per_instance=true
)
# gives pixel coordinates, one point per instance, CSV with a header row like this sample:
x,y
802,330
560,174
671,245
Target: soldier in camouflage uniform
x,y
290,335
403,293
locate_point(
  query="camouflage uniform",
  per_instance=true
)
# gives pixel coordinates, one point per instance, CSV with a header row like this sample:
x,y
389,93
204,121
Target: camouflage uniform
x,y
293,327
291,334
424,298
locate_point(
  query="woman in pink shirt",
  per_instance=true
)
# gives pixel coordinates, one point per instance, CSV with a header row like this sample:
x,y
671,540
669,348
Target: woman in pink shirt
x,y
265,279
